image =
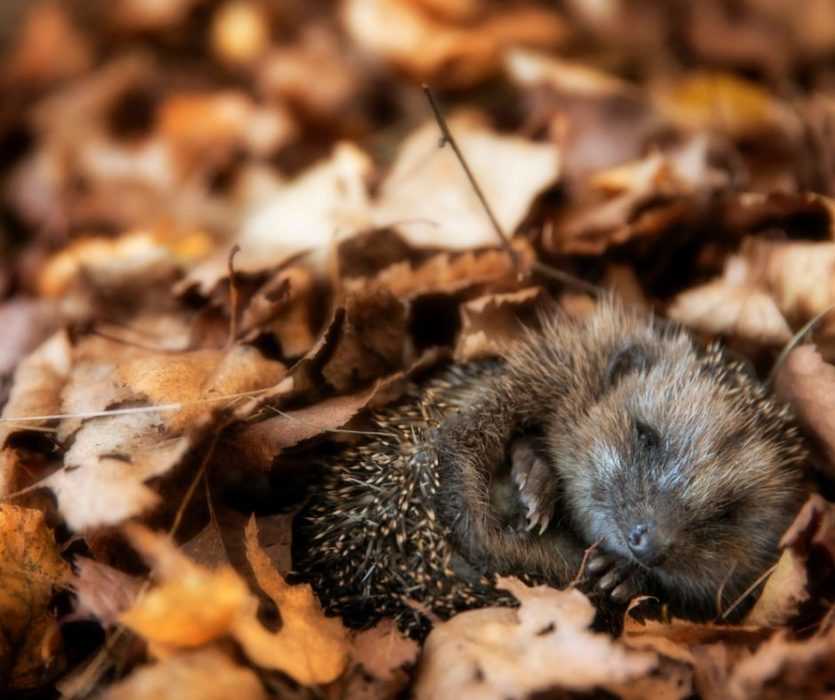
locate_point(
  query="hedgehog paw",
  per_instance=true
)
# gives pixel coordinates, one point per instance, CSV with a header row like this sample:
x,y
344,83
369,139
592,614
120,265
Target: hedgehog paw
x,y
618,578
536,484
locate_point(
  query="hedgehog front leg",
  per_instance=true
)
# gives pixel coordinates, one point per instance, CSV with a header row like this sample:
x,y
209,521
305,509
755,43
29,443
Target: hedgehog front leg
x,y
536,482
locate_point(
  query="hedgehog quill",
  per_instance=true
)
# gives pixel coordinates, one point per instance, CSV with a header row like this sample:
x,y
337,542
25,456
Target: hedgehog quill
x,y
617,430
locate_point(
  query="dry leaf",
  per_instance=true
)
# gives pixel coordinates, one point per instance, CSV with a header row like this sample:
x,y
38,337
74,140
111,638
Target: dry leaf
x,y
806,382
447,273
307,215
544,645
36,391
724,103
174,615
489,322
767,283
262,442
453,55
427,198
30,569
309,646
103,592
202,674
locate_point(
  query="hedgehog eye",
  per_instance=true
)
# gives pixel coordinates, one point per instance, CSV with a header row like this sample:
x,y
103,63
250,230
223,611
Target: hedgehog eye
x,y
647,436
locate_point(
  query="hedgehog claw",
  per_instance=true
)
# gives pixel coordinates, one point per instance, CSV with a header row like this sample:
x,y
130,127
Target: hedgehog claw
x,y
536,484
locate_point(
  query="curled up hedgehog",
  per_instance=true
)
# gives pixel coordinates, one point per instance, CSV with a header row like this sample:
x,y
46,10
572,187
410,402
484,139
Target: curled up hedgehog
x,y
617,431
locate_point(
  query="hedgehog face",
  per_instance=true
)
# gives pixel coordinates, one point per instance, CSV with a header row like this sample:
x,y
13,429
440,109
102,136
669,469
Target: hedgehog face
x,y
697,503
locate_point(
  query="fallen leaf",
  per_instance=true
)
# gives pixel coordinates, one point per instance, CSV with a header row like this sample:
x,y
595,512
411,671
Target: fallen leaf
x,y
102,592
427,198
445,53
36,391
762,287
202,674
262,442
30,569
724,103
489,322
496,652
382,650
805,381
174,615
310,647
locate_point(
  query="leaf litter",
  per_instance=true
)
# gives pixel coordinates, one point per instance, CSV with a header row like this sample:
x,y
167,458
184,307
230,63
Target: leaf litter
x,y
158,390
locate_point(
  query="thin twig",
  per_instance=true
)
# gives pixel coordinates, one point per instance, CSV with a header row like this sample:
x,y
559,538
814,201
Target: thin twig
x,y
796,339
504,239
448,138
748,591
233,296
586,556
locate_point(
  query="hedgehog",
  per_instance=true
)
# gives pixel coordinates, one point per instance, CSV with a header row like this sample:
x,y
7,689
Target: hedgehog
x,y
617,435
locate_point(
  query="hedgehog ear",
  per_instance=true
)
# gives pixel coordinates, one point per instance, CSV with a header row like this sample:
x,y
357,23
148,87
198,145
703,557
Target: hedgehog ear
x,y
624,361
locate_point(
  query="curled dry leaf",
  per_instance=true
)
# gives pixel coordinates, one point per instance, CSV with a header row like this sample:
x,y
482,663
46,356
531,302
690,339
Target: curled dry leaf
x,y
262,442
308,214
805,568
102,592
783,667
173,616
309,647
36,391
201,674
442,51
765,284
723,103
449,273
639,198
30,569
808,384
427,198
497,653
489,322
137,257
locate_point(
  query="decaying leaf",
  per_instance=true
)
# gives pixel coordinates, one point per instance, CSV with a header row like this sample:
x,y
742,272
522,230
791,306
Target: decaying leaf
x,y
103,592
762,287
174,615
202,674
807,383
495,652
426,196
455,54
31,569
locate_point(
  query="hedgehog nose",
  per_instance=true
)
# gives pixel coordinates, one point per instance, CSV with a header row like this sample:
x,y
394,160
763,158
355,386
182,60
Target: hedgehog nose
x,y
645,544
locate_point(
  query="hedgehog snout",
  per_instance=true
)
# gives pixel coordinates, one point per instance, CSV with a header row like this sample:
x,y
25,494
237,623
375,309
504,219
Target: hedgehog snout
x,y
647,542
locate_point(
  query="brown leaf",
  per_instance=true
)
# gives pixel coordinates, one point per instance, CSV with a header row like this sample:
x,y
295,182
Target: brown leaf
x,y
494,652
174,615
202,674
489,322
453,55
262,442
30,568
427,198
310,647
36,391
765,284
723,103
447,273
808,383
382,650
373,341
103,592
